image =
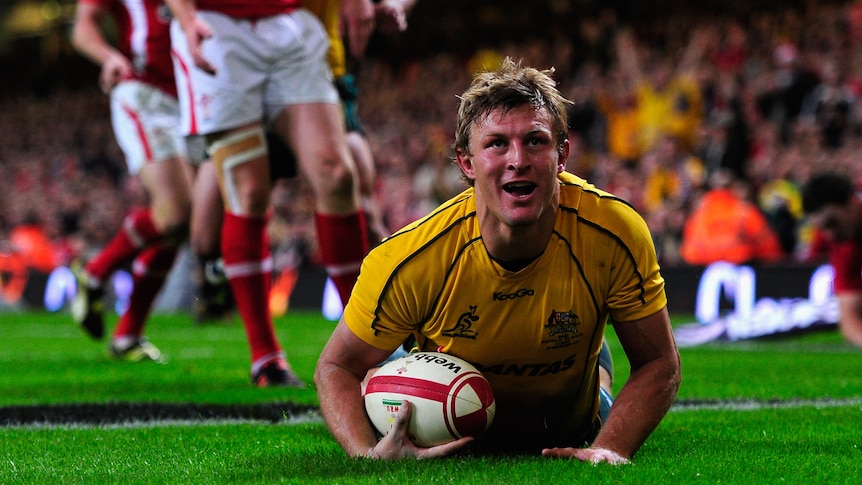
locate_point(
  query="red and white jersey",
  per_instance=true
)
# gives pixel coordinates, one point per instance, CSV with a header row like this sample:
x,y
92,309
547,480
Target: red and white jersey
x,y
246,9
143,35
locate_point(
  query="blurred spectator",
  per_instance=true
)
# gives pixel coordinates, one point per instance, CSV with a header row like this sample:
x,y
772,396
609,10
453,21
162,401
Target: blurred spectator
x,y
791,81
730,53
14,274
617,102
593,40
671,174
669,99
35,247
781,203
743,89
44,169
829,106
725,226
724,140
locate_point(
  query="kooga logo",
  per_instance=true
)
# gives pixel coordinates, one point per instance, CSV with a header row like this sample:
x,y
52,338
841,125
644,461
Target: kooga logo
x,y
500,296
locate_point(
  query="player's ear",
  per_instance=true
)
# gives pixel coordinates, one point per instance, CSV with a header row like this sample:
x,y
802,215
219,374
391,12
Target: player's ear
x,y
465,162
563,155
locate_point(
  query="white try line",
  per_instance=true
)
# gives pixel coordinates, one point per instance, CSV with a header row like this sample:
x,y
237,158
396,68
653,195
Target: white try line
x,y
684,405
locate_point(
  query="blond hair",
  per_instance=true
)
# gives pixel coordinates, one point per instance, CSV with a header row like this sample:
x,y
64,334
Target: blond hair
x,y
510,86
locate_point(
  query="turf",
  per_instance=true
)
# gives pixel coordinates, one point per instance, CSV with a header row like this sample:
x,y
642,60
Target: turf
x,y
783,410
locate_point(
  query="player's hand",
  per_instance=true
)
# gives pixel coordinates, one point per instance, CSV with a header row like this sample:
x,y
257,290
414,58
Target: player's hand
x,y
358,17
196,33
115,68
397,445
591,455
391,16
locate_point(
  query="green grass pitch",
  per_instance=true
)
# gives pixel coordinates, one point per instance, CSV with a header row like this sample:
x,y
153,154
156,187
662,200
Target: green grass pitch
x,y
780,410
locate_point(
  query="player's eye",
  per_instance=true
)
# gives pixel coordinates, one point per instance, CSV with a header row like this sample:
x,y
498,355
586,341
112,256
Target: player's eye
x,y
537,140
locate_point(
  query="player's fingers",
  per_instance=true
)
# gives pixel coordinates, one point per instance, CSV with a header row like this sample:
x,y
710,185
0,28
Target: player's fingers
x,y
559,452
195,39
207,67
402,420
601,455
590,455
204,30
201,61
203,64
389,21
105,82
445,449
396,444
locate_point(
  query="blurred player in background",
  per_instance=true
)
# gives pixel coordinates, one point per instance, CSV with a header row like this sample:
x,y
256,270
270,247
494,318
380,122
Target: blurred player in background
x,y
341,20
138,75
243,68
834,207
390,15
518,275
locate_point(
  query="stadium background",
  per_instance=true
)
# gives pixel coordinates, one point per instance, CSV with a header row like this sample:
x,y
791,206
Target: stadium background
x,y
57,153
33,33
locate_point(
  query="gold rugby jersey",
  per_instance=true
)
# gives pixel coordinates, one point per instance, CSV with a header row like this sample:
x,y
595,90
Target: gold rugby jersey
x,y
535,333
328,13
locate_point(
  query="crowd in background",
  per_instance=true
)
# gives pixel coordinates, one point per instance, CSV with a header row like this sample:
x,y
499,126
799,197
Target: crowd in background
x,y
759,101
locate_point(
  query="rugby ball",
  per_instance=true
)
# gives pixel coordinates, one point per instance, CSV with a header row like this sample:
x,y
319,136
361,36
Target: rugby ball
x,y
449,398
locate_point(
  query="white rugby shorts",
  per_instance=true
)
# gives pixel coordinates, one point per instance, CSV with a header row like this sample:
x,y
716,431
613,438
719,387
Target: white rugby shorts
x,y
262,66
146,124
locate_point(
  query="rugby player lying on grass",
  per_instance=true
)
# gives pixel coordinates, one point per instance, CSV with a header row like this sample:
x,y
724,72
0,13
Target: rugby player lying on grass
x,y
566,258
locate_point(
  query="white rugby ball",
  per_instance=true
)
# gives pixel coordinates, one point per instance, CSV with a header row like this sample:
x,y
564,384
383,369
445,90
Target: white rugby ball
x,y
449,398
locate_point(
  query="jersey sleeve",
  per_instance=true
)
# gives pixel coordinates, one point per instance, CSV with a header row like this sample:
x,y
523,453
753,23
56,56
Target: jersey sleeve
x,y
403,279
637,289
387,299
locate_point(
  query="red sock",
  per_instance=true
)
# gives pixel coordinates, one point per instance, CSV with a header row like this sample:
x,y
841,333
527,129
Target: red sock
x,y
343,242
149,271
138,232
245,251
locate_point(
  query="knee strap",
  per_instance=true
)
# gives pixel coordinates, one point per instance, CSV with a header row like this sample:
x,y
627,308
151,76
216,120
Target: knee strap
x,y
232,150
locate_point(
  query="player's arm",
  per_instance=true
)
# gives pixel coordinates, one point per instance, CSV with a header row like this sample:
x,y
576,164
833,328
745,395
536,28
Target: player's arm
x,y
850,308
358,18
651,387
89,41
646,396
392,15
701,40
196,30
340,370
626,49
342,366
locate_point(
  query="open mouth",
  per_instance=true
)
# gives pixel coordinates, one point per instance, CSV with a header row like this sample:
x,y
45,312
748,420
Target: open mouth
x,y
520,188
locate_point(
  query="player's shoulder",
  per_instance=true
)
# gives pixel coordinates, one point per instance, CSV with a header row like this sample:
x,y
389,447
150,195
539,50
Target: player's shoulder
x,y
598,208
578,194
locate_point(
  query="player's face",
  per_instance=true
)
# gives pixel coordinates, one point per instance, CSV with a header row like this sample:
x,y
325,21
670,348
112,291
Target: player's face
x,y
514,162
